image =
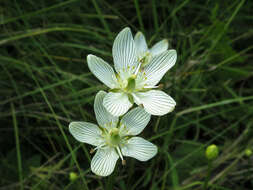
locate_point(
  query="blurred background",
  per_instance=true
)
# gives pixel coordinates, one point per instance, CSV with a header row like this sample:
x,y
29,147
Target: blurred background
x,y
45,84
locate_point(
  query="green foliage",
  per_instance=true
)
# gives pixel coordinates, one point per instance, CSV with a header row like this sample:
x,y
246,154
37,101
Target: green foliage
x,y
45,83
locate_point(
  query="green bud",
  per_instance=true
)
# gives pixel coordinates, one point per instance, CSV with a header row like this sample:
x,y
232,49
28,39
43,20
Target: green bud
x,y
212,152
248,152
73,176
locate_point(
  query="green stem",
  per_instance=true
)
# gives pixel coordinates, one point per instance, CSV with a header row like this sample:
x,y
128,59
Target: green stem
x,y
110,181
210,165
20,173
136,3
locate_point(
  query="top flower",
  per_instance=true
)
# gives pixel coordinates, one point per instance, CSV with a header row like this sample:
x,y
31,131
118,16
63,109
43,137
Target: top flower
x,y
134,80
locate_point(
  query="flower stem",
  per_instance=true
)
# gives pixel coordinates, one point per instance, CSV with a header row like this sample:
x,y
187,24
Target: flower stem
x,y
210,165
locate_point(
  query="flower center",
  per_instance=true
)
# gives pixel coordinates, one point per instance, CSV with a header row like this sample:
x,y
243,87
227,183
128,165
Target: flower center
x,y
130,84
114,137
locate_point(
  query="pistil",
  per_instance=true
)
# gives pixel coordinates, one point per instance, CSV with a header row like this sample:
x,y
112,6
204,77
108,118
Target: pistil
x,y
131,84
114,138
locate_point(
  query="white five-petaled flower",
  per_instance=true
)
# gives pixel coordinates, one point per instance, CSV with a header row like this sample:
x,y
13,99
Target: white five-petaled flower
x,y
113,138
134,81
145,54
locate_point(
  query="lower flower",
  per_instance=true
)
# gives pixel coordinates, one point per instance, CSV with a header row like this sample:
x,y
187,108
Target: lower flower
x,y
114,139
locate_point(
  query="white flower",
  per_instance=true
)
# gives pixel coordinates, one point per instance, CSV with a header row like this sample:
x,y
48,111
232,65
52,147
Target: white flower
x,y
143,53
114,139
133,82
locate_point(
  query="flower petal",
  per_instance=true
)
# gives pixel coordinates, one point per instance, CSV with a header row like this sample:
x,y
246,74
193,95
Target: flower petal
x,y
104,161
139,148
116,103
86,132
158,66
124,53
134,121
159,47
140,43
102,70
104,118
155,102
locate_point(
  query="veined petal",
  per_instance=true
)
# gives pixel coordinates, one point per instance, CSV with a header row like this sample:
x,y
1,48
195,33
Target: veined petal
x,y
104,161
139,148
124,53
134,121
155,102
159,47
116,103
86,132
158,66
102,70
104,118
140,43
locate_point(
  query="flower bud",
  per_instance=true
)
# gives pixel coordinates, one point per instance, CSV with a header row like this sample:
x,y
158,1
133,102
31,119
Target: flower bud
x,y
212,152
73,176
248,152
